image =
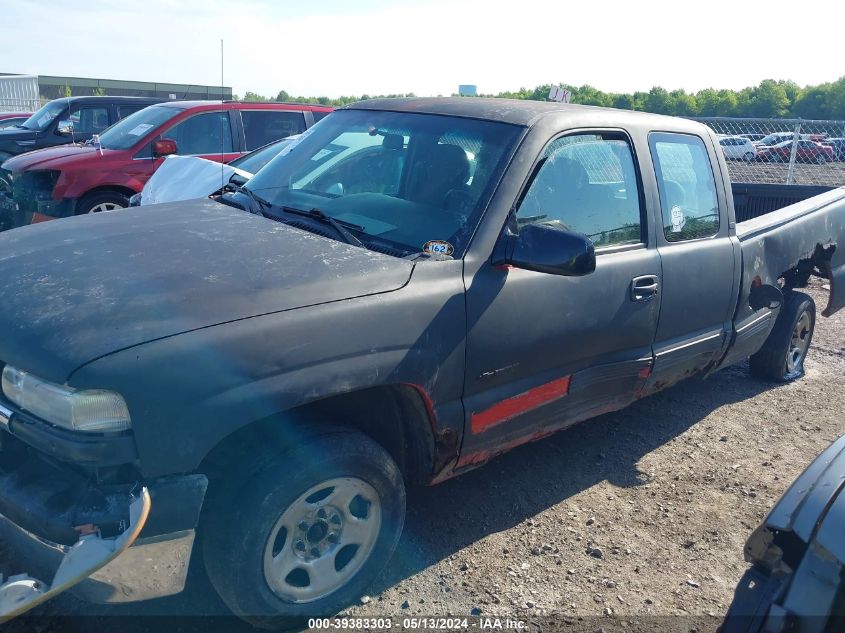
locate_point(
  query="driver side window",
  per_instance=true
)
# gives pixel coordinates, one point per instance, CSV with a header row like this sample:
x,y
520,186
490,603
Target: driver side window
x,y
587,183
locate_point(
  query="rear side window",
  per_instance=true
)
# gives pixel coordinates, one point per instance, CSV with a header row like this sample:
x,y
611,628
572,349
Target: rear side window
x,y
587,183
687,188
265,126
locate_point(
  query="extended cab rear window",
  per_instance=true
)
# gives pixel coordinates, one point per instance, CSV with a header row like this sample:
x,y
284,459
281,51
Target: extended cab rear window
x,y
686,185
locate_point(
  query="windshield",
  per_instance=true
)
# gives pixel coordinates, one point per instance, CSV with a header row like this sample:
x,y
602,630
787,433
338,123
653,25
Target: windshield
x,y
126,132
406,179
45,116
254,161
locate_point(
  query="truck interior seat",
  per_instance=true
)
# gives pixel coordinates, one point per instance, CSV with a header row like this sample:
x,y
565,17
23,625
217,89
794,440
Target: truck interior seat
x,y
438,169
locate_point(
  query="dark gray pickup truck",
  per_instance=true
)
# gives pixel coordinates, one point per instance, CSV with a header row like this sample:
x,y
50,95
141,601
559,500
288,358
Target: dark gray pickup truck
x,y
409,289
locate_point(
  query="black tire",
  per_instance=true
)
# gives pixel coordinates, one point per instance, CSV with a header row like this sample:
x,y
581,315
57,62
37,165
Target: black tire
x,y
241,517
775,361
87,203
749,157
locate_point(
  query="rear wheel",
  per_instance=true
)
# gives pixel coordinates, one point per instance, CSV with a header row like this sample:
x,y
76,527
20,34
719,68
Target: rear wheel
x,y
748,157
306,532
821,159
781,359
101,201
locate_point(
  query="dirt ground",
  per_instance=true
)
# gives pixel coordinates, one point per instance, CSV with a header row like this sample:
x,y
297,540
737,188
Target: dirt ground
x,y
639,513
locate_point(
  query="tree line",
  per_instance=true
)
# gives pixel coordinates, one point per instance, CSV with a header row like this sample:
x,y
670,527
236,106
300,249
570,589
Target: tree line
x,y
769,99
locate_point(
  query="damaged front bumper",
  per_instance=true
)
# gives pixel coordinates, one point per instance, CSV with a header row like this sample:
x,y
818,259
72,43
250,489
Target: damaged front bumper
x,y
116,543
89,554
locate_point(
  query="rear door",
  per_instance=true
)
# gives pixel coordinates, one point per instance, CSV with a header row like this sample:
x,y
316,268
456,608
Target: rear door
x,y
697,256
545,351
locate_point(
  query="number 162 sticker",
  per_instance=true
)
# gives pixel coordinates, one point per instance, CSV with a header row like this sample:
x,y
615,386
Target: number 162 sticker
x,y
438,246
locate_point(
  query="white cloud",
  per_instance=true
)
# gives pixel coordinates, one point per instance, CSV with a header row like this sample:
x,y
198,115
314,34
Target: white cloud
x,y
373,46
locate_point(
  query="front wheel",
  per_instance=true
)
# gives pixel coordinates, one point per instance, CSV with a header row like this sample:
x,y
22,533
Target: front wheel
x,y
102,201
307,532
749,157
781,359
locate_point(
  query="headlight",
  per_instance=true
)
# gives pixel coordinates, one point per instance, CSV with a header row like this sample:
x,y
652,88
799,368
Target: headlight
x,y
93,410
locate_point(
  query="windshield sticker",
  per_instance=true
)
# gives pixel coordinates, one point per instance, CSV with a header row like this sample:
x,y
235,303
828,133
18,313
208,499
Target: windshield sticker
x,y
138,130
438,246
678,219
321,154
44,120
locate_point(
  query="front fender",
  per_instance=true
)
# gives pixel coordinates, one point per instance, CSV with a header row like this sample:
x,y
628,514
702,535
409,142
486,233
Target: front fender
x,y
72,184
188,392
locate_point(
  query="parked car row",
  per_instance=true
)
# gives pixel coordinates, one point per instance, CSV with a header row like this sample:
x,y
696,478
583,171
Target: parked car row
x,y
93,153
777,148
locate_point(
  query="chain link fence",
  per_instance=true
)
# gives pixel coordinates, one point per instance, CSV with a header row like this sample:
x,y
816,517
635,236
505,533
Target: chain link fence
x,y
782,151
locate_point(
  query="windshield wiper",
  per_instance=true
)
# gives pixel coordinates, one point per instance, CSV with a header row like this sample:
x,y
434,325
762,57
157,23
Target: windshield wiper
x,y
260,203
340,226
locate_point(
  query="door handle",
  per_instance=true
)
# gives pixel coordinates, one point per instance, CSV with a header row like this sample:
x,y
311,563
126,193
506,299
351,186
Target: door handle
x,y
644,287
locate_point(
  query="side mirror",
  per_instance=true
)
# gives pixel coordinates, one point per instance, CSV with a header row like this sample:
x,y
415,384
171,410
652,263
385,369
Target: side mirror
x,y
164,147
65,128
545,249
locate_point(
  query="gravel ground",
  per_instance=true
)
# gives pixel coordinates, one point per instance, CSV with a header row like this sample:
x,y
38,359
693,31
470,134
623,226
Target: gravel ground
x,y
639,513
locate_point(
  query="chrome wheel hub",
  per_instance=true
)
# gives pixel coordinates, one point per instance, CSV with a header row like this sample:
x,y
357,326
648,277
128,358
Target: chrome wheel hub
x,y
322,539
317,532
799,344
105,206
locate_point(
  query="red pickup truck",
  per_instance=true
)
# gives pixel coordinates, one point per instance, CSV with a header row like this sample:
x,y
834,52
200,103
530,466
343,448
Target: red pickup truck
x,y
85,178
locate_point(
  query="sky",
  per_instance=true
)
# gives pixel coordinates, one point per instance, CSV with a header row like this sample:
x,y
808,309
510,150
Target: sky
x,y
428,47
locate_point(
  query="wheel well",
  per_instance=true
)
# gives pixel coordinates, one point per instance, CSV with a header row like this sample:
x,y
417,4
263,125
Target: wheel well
x,y
123,191
394,416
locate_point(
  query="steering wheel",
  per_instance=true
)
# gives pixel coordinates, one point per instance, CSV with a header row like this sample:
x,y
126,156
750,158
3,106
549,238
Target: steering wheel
x,y
458,200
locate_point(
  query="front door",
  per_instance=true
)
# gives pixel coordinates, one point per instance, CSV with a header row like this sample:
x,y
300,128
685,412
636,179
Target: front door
x,y
545,351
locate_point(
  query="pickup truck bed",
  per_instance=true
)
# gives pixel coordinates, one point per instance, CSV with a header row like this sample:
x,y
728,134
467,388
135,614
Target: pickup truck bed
x,y
788,243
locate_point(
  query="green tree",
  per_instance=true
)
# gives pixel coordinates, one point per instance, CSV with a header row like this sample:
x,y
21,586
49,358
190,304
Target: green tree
x,y
769,99
254,97
658,101
683,104
835,99
624,102
812,103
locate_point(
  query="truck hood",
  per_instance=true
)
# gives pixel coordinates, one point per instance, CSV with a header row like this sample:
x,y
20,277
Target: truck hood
x,y
9,138
74,290
54,157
